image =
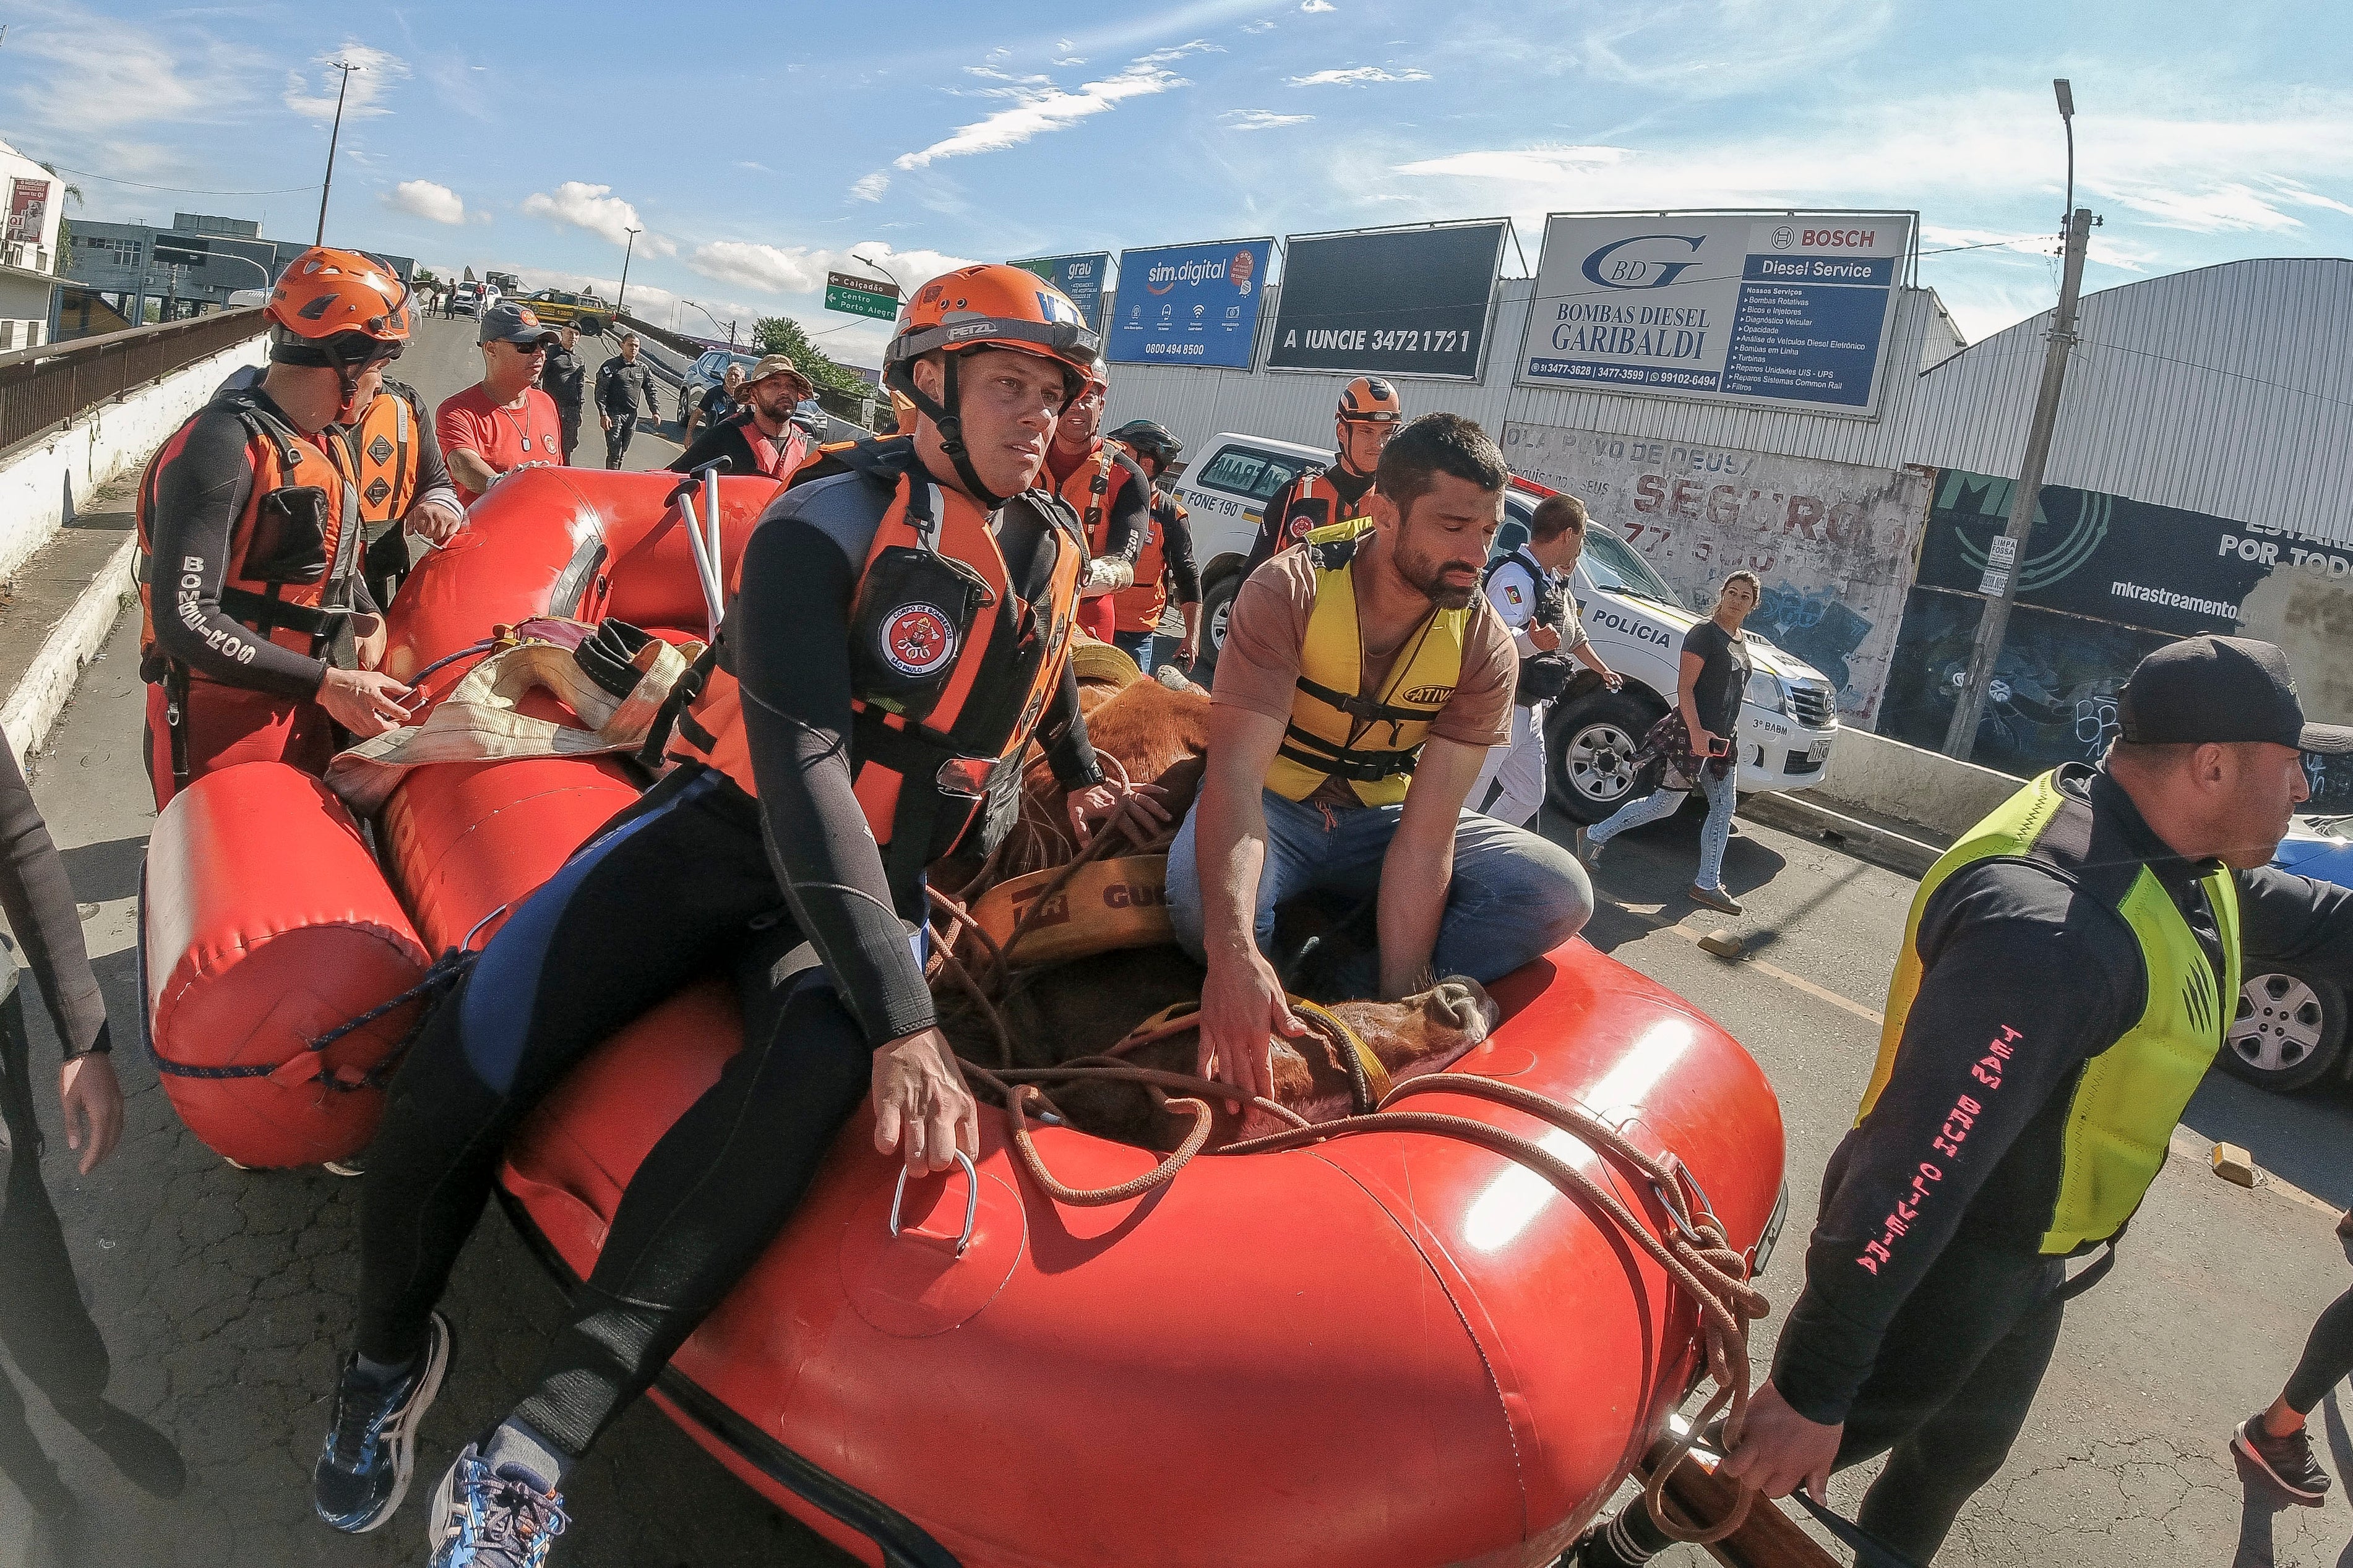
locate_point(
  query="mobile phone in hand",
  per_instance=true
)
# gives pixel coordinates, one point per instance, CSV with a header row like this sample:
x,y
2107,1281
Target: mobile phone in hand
x,y
1719,745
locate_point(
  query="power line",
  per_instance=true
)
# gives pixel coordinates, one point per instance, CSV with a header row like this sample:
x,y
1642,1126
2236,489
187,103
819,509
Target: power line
x,y
1949,249
2217,370
180,190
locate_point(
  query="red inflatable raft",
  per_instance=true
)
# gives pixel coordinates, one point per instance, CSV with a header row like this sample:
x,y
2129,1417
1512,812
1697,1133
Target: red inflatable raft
x,y
1389,1351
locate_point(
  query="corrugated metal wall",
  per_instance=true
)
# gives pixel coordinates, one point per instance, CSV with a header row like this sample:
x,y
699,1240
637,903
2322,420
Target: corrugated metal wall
x,y
1197,403
2226,391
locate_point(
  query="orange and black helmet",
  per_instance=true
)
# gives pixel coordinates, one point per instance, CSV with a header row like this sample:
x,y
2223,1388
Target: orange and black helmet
x,y
1370,400
326,293
990,306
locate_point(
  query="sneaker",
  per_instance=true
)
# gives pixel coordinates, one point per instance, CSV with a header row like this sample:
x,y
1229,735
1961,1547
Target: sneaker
x,y
362,1472
2288,1461
1586,850
484,1519
1713,898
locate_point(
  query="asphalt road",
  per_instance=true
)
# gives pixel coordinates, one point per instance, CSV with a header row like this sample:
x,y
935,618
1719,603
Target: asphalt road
x,y
227,1296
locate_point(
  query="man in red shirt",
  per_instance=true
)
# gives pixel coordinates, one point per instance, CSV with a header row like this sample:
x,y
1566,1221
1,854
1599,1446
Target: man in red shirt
x,y
505,421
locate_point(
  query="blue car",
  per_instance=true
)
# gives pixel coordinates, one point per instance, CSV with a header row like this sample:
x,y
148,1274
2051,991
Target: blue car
x,y
2290,1031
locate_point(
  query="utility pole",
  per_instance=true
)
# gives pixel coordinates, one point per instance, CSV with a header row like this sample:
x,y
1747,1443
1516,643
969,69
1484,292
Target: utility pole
x,y
334,136
621,303
2006,559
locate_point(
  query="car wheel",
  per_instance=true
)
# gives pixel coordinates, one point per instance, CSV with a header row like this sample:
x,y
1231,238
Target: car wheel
x,y
1590,745
1216,610
2289,1032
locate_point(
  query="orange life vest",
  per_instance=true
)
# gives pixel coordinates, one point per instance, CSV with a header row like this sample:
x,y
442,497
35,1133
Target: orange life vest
x,y
294,552
1089,491
959,632
1139,608
383,452
1315,504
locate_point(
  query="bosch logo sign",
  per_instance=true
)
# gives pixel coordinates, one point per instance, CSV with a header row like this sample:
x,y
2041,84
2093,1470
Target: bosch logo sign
x,y
1784,237
1840,239
1612,270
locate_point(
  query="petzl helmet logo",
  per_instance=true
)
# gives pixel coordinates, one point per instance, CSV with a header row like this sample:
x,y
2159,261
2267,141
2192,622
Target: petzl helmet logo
x,y
918,639
1611,270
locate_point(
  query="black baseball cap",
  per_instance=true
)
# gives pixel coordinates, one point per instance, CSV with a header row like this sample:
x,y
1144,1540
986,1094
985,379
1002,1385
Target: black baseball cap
x,y
2226,689
515,324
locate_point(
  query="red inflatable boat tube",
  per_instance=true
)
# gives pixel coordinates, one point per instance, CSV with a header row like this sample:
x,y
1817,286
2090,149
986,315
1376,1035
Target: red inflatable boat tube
x,y
264,925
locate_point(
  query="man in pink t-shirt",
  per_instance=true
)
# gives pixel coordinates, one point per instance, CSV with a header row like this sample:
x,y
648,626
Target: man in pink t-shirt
x,y
504,421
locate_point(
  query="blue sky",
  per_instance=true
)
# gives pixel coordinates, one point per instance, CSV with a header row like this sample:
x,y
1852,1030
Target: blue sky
x,y
758,150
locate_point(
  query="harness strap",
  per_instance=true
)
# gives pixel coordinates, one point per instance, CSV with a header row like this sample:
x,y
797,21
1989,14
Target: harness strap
x,y
265,613
1363,709
1342,762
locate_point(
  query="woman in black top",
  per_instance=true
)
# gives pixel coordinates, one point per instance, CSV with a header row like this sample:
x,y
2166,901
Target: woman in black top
x,y
1697,742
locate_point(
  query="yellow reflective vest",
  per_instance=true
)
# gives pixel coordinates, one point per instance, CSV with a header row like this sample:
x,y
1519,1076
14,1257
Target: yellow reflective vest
x,y
2130,1096
1372,742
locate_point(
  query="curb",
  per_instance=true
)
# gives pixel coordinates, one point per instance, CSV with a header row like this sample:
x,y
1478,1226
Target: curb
x,y
1864,841
41,693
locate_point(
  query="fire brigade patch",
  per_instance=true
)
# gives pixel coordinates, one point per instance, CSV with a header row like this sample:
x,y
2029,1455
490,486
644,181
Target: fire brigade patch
x,y
380,449
918,639
377,491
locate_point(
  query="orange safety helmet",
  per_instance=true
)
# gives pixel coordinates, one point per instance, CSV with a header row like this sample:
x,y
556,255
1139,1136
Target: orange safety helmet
x,y
339,310
990,306
1370,400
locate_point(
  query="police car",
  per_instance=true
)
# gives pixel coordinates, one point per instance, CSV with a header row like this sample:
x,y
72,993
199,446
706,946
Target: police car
x,y
1788,725
2289,1031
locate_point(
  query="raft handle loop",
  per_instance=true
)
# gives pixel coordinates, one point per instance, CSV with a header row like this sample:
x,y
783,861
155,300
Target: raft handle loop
x,y
971,1201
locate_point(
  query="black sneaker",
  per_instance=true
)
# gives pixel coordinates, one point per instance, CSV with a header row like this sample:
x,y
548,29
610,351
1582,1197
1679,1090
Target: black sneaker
x,y
2288,1461
362,1472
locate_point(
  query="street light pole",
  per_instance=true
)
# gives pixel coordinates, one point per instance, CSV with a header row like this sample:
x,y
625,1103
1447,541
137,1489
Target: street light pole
x,y
333,137
2006,558
621,303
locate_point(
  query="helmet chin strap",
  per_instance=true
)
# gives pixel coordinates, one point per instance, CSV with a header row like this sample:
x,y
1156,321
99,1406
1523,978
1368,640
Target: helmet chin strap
x,y
951,429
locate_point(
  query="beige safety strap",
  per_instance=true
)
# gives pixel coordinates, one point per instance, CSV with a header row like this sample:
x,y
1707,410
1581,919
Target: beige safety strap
x,y
478,722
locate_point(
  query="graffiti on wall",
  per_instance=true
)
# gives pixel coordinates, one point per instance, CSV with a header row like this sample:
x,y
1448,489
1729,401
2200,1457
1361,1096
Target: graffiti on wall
x,y
1832,543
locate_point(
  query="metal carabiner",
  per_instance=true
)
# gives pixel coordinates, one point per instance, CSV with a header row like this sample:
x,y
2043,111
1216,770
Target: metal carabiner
x,y
971,1201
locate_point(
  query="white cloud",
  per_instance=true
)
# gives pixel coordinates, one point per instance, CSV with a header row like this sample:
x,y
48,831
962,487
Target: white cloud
x,y
1712,47
1314,7
1259,27
313,95
1072,61
1361,76
801,269
597,209
870,187
1262,118
425,199
94,75
1038,107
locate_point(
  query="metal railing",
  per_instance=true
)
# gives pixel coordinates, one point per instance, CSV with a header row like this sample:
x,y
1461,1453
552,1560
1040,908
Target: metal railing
x,y
44,389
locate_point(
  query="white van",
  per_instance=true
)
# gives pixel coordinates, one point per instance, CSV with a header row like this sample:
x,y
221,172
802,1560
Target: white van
x,y
1788,725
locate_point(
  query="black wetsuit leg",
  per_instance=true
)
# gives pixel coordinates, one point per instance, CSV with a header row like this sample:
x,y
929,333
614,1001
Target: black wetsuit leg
x,y
677,886
1951,1391
48,1331
2327,1357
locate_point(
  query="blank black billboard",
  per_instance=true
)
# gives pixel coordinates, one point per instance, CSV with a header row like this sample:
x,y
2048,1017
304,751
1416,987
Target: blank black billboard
x,y
1388,302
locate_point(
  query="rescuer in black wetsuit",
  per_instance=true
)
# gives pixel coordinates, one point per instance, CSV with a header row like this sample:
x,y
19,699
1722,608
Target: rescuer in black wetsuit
x,y
789,845
2071,969
1370,413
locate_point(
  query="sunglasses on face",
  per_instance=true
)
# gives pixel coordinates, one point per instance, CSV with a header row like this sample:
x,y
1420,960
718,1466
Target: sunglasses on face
x,y
530,348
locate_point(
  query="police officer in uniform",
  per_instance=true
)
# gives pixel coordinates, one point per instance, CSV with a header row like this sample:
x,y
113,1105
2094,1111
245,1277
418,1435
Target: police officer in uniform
x,y
623,387
562,377
896,633
2068,972
1529,589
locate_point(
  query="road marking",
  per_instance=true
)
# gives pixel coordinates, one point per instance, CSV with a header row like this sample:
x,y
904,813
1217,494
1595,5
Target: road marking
x,y
1798,982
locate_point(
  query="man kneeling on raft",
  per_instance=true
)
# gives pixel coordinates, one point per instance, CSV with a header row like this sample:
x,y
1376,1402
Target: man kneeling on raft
x,y
1362,680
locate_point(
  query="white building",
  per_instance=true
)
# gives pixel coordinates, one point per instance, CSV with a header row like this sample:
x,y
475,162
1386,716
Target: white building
x,y
28,248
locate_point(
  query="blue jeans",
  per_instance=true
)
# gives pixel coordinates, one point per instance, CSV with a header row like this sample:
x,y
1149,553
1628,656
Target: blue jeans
x,y
1723,794
1137,646
1515,896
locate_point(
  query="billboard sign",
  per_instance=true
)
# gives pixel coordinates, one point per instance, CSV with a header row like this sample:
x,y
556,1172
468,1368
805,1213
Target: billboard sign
x,y
29,211
1832,543
1080,276
1190,304
1774,309
1405,303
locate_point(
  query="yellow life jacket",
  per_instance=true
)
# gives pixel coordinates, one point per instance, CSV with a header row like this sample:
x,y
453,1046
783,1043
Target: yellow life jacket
x,y
2129,1096
1335,730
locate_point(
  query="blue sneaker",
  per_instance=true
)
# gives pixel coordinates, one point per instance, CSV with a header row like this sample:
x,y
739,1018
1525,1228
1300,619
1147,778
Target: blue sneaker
x,y
362,1472
482,1519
